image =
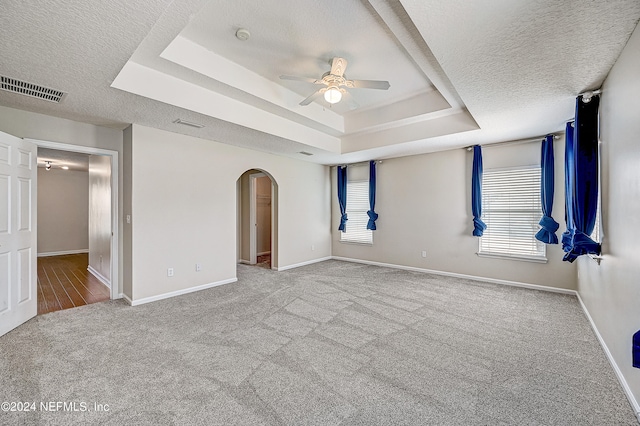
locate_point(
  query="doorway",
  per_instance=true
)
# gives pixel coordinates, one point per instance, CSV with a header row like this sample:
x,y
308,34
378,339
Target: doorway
x,y
257,212
77,258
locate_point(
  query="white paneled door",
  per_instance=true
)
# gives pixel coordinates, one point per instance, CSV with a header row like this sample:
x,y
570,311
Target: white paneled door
x,y
18,290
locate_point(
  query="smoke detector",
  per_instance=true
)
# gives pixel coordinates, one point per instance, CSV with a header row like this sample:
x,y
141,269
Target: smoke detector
x,y
243,34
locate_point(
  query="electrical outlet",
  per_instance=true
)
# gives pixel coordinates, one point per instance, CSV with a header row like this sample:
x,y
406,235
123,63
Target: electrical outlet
x,y
424,253
170,272
198,267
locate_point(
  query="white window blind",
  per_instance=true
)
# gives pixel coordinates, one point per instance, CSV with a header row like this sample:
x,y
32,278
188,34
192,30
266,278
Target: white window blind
x,y
511,208
357,218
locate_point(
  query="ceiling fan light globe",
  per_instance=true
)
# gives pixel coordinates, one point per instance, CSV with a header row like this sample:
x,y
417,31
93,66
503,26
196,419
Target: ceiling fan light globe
x,y
332,95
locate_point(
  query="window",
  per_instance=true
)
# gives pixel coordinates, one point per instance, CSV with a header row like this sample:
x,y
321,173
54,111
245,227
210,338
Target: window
x,y
357,218
511,208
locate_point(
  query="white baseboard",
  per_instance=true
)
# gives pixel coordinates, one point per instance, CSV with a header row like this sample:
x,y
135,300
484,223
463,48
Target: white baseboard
x,y
623,382
99,276
62,253
177,293
263,253
464,276
126,299
297,265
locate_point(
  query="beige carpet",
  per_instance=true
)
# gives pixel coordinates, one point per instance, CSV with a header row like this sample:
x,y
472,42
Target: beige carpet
x,y
333,343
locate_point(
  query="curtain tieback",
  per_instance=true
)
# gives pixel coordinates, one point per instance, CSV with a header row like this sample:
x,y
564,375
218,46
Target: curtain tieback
x,y
567,238
581,244
580,239
478,227
373,216
549,224
343,223
548,232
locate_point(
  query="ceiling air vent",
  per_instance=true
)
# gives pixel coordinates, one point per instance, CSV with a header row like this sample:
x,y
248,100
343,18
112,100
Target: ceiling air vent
x,y
189,123
304,153
29,89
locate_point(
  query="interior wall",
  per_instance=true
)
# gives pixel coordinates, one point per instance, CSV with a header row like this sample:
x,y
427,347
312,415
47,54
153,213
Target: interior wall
x,y
100,216
127,231
423,204
31,125
245,199
25,124
611,290
263,215
184,210
63,216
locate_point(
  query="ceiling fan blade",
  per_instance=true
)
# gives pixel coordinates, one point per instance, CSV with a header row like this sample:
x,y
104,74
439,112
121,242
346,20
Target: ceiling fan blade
x,y
338,65
348,99
311,98
368,84
296,78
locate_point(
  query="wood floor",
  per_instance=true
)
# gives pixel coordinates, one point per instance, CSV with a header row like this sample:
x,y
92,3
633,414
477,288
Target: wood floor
x,y
264,261
64,282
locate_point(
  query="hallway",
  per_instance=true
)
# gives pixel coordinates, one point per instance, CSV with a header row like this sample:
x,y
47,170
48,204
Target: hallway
x,y
64,282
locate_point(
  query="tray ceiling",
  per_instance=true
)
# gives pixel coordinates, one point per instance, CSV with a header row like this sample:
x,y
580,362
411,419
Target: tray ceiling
x,y
460,72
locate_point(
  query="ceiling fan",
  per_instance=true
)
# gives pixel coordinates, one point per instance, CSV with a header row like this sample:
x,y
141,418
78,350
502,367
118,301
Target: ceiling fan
x,y
335,83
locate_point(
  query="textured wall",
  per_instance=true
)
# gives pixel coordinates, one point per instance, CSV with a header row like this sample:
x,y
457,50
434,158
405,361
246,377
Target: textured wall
x,y
63,203
611,290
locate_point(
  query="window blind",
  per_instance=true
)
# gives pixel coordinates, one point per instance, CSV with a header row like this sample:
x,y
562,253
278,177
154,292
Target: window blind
x,y
511,208
357,206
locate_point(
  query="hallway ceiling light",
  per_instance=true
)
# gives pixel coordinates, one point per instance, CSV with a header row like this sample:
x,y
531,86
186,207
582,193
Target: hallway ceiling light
x,y
64,167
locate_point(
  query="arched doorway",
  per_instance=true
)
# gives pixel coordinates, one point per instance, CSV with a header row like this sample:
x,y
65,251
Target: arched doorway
x,y
257,194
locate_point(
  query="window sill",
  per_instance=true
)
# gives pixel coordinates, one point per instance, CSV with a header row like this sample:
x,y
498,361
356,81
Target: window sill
x,y
356,243
518,258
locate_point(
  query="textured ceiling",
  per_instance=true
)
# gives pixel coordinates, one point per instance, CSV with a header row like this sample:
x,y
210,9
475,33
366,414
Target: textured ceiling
x,y
461,72
519,64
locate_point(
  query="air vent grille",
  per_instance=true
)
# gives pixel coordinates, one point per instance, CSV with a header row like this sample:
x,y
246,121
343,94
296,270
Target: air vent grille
x,y
304,153
29,89
189,123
